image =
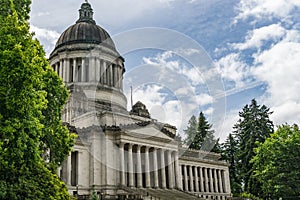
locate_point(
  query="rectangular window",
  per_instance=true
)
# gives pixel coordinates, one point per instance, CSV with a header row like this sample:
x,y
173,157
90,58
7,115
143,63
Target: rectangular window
x,y
74,168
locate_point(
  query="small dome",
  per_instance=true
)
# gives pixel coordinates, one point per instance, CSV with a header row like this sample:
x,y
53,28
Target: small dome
x,y
140,109
85,31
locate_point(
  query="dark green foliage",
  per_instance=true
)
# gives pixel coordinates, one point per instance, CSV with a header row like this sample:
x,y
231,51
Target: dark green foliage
x,y
200,136
277,164
93,196
253,126
229,152
31,100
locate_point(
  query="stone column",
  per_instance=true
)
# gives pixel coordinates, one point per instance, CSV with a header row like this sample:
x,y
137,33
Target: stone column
x,y
206,180
186,185
177,172
139,167
83,70
104,74
98,72
155,168
196,179
61,68
147,168
92,69
216,181
170,170
226,181
122,164
201,180
56,68
111,83
67,70
69,170
75,72
130,166
163,171
220,181
191,178
211,181
117,76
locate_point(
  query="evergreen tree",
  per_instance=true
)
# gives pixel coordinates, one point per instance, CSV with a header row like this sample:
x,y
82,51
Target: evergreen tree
x,y
190,131
200,135
276,164
229,152
253,126
31,99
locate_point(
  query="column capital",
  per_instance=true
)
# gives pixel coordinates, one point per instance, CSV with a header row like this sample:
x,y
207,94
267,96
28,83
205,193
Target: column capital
x,y
147,148
121,144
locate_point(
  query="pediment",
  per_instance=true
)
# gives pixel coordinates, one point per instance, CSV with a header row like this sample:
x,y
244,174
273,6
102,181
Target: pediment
x,y
149,131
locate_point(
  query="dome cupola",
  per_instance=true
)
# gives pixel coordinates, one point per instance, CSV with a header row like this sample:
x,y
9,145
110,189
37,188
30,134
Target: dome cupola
x,y
86,13
86,59
84,31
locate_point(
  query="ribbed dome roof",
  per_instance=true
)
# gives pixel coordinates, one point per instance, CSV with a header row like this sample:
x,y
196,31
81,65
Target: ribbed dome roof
x,y
85,31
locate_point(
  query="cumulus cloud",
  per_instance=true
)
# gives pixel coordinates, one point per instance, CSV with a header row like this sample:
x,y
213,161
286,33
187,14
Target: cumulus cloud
x,y
46,37
233,68
177,95
257,37
166,61
279,67
265,9
270,54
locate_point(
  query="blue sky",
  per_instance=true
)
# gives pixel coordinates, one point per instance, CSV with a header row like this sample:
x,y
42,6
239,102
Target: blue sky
x,y
187,56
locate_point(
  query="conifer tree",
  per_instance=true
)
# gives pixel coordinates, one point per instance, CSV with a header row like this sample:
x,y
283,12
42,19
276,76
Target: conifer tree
x,y
253,126
199,135
229,153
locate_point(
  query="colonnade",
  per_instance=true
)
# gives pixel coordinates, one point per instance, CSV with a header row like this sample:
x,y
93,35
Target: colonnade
x,y
148,167
89,69
198,179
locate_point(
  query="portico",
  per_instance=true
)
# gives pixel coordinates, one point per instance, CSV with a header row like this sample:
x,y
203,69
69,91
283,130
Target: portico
x,y
144,166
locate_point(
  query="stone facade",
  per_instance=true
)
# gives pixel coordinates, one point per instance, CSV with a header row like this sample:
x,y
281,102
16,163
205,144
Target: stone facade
x,y
121,154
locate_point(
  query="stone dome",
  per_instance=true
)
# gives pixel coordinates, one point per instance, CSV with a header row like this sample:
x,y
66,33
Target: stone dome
x,y
85,31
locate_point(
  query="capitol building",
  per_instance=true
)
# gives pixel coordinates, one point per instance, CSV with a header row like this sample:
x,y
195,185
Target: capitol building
x,y
121,154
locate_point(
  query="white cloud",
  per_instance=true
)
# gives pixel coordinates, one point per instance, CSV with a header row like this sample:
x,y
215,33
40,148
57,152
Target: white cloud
x,y
279,67
45,36
265,9
257,37
166,61
232,68
203,99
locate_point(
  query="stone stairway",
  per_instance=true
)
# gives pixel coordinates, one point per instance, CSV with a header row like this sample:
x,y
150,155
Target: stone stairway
x,y
157,194
160,194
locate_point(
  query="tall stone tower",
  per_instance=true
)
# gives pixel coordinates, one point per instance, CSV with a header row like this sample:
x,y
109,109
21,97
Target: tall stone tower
x,y
86,58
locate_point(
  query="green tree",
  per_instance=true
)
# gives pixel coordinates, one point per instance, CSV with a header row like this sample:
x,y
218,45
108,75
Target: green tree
x,y
30,92
229,152
191,131
199,135
253,126
276,163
